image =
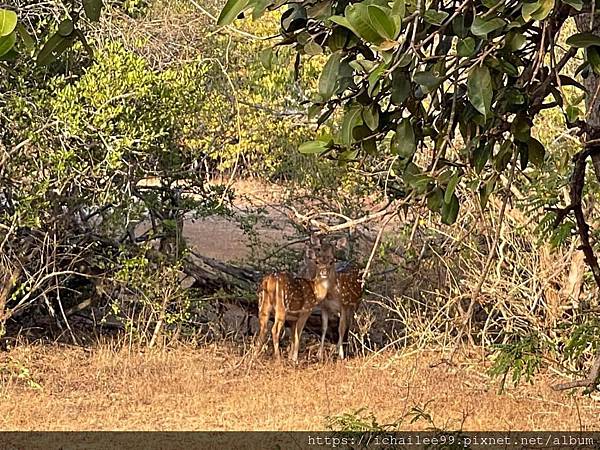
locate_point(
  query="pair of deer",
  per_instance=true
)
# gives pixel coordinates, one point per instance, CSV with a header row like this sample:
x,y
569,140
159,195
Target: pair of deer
x,y
293,298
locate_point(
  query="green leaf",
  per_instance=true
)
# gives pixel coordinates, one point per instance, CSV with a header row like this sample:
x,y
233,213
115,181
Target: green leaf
x,y
338,38
593,57
313,147
458,26
52,49
523,155
521,128
528,9
486,190
369,146
329,76
25,37
515,41
312,48
466,47
231,10
504,155
538,10
481,155
427,79
7,43
450,188
8,22
374,77
370,117
514,96
65,28
435,17
405,60
435,200
266,57
352,118
358,17
341,20
536,152
348,155
583,40
450,210
482,27
404,143
382,22
575,4
361,132
400,87
546,7
479,90
92,9
418,182
363,65
260,6
399,8
573,113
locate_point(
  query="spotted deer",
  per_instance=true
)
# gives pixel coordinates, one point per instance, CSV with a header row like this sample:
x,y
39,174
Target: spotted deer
x,y
293,298
342,299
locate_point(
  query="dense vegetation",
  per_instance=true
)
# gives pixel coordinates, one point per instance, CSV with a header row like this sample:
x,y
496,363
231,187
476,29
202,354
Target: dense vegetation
x,y
119,119
446,93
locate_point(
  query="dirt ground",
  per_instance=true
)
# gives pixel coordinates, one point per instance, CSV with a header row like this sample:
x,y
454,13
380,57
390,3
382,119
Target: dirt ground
x,y
52,387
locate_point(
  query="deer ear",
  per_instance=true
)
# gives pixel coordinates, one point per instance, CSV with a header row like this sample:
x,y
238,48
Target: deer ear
x,y
341,243
315,240
310,253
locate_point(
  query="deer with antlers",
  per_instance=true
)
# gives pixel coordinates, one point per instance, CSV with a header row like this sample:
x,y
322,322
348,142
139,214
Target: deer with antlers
x,y
293,298
342,299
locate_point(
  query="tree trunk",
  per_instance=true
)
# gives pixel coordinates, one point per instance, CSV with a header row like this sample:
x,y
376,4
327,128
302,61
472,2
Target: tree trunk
x,y
592,84
586,23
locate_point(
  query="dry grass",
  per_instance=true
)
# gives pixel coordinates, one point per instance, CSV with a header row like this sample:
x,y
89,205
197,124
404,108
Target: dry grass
x,y
199,389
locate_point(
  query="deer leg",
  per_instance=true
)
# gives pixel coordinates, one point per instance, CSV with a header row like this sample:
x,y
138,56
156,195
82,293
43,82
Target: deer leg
x,y
324,323
297,333
342,332
349,322
276,331
290,346
263,321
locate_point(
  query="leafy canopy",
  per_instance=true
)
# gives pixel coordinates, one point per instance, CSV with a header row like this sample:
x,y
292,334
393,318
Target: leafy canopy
x,y
67,33
439,88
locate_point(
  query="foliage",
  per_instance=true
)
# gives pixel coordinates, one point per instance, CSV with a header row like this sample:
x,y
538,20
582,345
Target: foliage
x,y
445,91
359,420
451,98
154,301
92,149
14,370
99,147
583,338
521,357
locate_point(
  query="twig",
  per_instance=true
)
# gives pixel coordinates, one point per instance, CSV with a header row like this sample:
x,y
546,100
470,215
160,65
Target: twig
x,y
374,249
590,382
350,223
492,254
281,247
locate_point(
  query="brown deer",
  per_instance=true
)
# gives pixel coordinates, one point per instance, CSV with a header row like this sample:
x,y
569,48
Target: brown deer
x,y
343,298
293,298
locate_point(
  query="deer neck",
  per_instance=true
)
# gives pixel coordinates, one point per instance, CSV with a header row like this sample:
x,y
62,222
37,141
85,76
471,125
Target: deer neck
x,y
321,286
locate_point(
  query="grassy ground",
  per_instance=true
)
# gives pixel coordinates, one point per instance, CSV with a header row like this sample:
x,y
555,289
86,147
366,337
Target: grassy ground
x,y
64,388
